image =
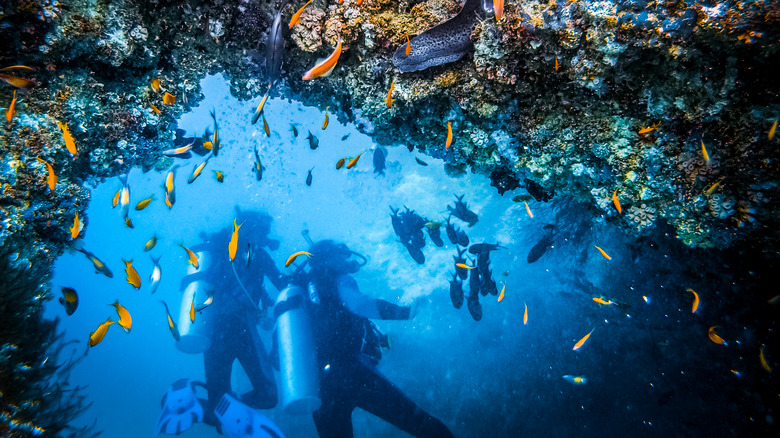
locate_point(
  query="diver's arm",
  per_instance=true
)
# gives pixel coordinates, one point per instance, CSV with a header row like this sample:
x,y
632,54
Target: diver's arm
x,y
366,306
279,280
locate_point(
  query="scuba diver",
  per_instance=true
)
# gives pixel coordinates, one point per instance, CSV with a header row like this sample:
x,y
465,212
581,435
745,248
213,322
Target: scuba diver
x,y
237,302
347,348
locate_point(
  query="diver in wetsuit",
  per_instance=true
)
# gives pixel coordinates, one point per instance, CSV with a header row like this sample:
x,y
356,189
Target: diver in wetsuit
x,y
348,375
240,302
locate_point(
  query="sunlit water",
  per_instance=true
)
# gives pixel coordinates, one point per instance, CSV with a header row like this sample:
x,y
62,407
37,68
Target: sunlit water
x,y
496,377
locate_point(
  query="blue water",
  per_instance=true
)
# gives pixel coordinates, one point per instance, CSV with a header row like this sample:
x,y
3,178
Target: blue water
x,y
496,377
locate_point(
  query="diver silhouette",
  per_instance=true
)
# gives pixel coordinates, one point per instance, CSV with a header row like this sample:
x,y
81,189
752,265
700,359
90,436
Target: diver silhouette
x,y
347,347
238,302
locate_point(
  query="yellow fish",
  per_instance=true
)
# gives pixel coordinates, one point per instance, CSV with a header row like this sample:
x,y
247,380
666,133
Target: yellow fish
x,y
704,153
132,275
525,314
51,179
70,144
772,129
575,380
97,336
294,256
77,226
193,257
171,325
600,300
192,309
616,202
125,321
464,266
603,253
16,81
144,203
233,246
528,210
340,163
695,306
219,175
501,295
327,119
266,129
150,243
169,99
196,172
155,109
764,363
582,341
353,161
156,85
449,136
259,109
128,223
115,201
774,299
714,336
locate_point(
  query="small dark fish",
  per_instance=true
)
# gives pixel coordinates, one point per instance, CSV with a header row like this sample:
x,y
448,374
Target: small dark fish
x,y
540,248
420,162
204,304
451,233
97,263
258,166
416,253
462,212
488,285
346,136
314,142
379,160
475,309
463,239
479,248
171,324
435,234
397,223
69,299
309,177
294,130
248,253
475,281
522,198
456,291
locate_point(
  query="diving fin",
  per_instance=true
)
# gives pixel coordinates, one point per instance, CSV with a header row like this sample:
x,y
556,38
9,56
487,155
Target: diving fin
x,y
240,421
181,409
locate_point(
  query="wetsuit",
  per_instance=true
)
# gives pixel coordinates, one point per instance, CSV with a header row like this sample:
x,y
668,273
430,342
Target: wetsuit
x,y
348,379
235,334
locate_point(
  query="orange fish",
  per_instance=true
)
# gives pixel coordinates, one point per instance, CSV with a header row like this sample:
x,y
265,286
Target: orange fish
x,y
17,81
179,150
501,295
128,223
132,275
219,175
600,300
155,109
528,210
327,119
233,245
297,16
582,341
192,309
156,85
9,115
51,179
772,129
259,109
294,256
97,336
704,153
714,336
616,202
449,136
266,128
389,99
325,66
498,9
169,99
115,201
603,253
69,143
557,65
17,68
77,226
125,321
695,306
340,163
193,257
408,45
353,161
525,315
464,266
197,171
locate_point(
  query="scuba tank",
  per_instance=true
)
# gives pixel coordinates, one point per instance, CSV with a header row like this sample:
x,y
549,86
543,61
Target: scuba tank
x,y
299,381
195,335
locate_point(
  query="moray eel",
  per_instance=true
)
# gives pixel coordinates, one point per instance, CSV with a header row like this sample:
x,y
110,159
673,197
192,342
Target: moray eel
x,y
441,44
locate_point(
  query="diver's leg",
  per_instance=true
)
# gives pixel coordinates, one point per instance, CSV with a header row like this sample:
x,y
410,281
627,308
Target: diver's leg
x,y
382,398
250,354
218,364
334,418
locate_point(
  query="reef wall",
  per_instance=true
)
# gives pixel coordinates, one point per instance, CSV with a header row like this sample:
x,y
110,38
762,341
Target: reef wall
x,y
667,105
